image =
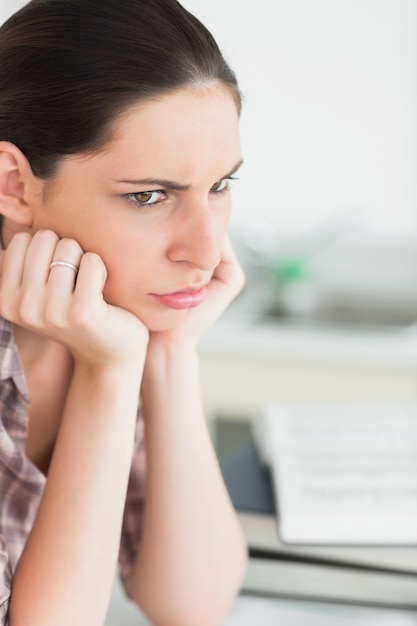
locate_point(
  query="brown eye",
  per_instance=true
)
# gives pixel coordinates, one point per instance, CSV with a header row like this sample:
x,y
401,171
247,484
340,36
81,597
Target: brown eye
x,y
143,196
146,198
221,185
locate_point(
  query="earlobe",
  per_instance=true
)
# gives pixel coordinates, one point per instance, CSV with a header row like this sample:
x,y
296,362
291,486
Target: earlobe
x,y
16,184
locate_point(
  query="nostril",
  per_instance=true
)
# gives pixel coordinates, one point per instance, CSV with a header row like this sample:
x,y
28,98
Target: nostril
x,y
197,251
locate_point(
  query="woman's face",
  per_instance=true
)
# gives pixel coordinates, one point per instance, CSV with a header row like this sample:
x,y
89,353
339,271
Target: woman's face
x,y
154,203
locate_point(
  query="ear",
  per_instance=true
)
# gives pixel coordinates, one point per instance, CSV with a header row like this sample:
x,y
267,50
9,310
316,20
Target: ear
x,y
17,185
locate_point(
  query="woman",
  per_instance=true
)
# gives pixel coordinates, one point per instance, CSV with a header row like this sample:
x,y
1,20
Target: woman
x,y
119,133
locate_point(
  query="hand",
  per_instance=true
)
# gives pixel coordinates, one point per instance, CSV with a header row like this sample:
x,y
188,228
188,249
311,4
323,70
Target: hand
x,y
227,280
65,306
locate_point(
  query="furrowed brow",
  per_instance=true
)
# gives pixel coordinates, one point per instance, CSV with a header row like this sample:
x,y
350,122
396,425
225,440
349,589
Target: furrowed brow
x,y
234,170
170,184
155,182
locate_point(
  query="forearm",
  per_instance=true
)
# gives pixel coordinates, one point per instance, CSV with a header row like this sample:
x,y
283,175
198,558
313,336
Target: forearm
x,y
192,550
67,568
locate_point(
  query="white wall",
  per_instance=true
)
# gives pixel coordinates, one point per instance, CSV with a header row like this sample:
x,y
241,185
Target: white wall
x,y
329,123
8,7
331,99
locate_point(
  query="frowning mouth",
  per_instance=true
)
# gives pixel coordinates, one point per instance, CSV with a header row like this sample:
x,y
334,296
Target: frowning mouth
x,y
185,299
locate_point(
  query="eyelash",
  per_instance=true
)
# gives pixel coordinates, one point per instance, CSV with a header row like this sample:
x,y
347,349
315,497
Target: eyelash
x,y
144,205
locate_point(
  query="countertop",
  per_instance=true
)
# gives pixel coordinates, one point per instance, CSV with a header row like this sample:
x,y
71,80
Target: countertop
x,y
241,335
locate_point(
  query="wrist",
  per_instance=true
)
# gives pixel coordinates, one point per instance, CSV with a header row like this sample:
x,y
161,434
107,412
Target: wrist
x,y
112,360
110,374
167,362
163,352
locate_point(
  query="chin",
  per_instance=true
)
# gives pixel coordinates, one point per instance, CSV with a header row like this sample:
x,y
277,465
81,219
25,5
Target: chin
x,y
164,322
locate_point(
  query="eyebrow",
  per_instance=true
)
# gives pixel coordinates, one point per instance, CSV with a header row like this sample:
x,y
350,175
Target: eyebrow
x,y
170,184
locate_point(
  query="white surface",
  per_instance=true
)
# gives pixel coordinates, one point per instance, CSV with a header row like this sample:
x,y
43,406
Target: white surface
x,y
122,612
254,611
329,119
243,337
8,7
251,611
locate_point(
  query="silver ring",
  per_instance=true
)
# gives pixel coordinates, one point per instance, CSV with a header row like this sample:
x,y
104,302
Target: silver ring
x,y
64,264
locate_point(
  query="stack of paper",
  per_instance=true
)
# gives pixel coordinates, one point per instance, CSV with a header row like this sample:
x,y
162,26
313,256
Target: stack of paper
x,y
351,570
342,474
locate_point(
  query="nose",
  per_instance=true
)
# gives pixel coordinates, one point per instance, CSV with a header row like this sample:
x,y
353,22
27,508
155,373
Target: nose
x,y
199,233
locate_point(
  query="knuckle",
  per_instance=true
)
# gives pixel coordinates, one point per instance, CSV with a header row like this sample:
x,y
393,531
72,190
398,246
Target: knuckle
x,y
18,244
79,315
52,315
46,235
70,248
92,258
27,312
94,262
21,237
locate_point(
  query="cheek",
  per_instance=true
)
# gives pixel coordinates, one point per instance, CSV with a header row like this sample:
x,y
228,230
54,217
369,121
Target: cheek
x,y
224,220
130,268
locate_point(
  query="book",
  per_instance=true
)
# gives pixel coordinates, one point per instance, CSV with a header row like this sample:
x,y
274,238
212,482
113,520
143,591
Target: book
x,y
250,610
331,583
342,474
371,575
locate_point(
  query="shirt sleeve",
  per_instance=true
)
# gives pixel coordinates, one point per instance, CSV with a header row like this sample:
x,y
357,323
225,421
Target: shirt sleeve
x,y
5,583
21,487
134,509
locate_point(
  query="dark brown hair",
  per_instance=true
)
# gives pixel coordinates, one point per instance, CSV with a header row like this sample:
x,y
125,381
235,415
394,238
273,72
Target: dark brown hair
x,y
68,68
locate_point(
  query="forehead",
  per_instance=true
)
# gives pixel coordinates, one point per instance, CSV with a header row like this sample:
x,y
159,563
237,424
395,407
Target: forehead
x,y
185,135
189,106
186,122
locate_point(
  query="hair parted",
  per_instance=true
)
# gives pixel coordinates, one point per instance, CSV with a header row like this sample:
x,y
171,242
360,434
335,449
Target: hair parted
x,y
68,68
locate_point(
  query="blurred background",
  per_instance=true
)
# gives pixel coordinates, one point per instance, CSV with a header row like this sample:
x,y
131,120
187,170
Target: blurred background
x,y
325,215
329,123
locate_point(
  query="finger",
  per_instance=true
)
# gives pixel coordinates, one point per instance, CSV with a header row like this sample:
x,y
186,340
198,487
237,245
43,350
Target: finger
x,y
14,261
25,271
38,258
12,273
62,278
91,279
229,270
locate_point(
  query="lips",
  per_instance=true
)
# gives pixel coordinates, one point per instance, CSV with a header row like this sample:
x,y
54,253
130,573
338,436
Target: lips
x,y
184,299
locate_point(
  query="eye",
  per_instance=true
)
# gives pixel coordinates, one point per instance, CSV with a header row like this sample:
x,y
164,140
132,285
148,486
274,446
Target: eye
x,y
222,185
146,198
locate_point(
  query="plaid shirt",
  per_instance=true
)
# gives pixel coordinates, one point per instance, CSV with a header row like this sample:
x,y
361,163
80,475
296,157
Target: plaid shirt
x,y
22,484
